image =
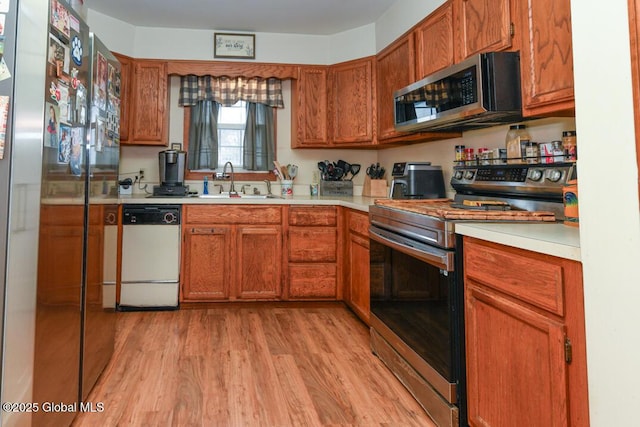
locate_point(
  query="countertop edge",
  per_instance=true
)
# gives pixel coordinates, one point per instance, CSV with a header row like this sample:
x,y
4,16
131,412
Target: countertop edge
x,y
360,203
554,239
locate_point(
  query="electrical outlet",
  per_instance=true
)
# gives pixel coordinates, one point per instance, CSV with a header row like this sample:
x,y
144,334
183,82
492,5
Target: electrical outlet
x,y
142,174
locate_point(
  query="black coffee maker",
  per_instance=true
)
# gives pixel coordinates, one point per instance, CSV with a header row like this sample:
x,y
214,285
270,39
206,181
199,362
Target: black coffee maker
x,y
172,167
416,180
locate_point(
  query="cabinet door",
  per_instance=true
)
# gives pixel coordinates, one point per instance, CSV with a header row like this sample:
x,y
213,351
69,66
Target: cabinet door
x,y
310,112
149,118
546,58
352,102
125,95
516,369
359,275
206,261
434,41
395,69
259,262
482,26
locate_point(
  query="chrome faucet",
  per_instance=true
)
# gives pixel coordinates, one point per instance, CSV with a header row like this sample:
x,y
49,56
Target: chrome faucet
x,y
266,181
232,189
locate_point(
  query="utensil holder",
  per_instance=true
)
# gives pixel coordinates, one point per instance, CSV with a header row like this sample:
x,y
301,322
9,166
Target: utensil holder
x,y
374,187
336,188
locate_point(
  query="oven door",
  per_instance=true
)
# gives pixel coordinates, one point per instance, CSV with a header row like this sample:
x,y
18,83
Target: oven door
x,y
416,306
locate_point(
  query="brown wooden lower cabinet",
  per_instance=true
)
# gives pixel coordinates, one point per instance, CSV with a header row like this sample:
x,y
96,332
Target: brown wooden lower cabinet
x,y
258,262
525,339
259,252
231,252
357,268
312,252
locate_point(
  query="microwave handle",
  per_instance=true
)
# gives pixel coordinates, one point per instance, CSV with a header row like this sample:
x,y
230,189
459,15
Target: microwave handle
x,y
427,253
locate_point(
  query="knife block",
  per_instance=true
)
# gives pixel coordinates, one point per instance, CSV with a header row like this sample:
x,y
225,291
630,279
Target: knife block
x,y
374,187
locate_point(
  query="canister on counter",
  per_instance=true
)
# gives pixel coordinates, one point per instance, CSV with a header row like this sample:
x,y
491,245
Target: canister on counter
x,y
570,197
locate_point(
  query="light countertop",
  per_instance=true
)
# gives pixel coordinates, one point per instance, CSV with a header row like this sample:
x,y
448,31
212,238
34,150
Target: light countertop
x,y
554,239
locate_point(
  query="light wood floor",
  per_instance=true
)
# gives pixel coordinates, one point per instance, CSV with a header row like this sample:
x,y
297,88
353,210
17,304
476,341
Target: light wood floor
x,y
248,365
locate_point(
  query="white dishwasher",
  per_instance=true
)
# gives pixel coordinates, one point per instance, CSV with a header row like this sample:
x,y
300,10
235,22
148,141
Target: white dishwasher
x,y
150,257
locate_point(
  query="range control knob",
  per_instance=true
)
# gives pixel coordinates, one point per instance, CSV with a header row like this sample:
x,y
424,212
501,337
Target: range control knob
x,y
535,175
469,174
169,218
458,175
554,175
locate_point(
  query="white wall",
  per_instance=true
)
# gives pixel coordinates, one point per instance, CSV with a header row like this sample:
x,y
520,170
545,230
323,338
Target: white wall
x,y
163,43
609,211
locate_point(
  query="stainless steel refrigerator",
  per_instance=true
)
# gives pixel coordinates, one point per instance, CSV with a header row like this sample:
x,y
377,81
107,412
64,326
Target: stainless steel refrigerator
x,y
59,182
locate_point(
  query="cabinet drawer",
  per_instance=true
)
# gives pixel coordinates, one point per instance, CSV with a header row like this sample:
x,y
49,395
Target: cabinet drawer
x,y
313,215
226,214
312,281
359,223
316,244
531,277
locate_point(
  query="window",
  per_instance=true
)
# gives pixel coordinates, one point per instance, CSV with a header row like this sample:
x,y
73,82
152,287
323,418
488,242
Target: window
x,y
230,120
230,143
231,125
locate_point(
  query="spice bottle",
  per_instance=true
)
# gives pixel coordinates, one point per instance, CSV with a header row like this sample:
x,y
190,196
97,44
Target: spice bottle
x,y
532,152
516,141
460,155
570,145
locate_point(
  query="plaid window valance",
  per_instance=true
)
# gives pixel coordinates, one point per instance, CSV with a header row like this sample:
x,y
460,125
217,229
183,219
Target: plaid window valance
x,y
229,90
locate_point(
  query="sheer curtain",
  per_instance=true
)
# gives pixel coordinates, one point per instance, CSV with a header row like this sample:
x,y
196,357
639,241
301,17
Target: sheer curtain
x,y
262,96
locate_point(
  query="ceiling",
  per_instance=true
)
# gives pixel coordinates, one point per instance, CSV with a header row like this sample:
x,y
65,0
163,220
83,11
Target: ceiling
x,y
316,17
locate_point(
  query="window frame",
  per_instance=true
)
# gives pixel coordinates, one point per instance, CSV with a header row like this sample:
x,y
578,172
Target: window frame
x,y
239,176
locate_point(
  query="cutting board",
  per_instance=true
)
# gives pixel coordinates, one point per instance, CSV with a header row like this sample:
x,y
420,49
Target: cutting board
x,y
441,208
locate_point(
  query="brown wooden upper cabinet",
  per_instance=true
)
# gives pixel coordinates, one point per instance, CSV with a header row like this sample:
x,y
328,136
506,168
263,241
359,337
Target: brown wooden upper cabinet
x,y
333,105
482,26
148,116
395,69
546,58
125,95
352,100
309,110
434,41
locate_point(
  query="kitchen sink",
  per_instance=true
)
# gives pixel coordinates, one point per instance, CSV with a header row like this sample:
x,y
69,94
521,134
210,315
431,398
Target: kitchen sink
x,y
238,196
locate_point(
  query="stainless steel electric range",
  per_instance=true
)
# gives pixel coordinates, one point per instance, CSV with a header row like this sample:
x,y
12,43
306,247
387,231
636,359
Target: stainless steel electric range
x,y
417,301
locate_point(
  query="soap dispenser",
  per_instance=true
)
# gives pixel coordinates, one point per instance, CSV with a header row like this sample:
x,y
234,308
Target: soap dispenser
x,y
205,185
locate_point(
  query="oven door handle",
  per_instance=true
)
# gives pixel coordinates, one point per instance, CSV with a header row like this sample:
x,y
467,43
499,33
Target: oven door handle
x,y
430,254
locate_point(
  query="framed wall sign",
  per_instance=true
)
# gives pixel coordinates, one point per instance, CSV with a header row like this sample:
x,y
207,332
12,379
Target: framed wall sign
x,y
229,45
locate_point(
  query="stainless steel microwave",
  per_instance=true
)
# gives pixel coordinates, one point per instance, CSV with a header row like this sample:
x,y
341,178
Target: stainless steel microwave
x,y
481,91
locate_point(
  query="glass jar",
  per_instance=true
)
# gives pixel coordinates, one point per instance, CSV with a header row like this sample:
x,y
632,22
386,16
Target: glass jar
x,y
517,138
570,145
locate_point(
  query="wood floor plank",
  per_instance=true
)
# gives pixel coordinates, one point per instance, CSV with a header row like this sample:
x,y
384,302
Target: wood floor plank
x,y
249,365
